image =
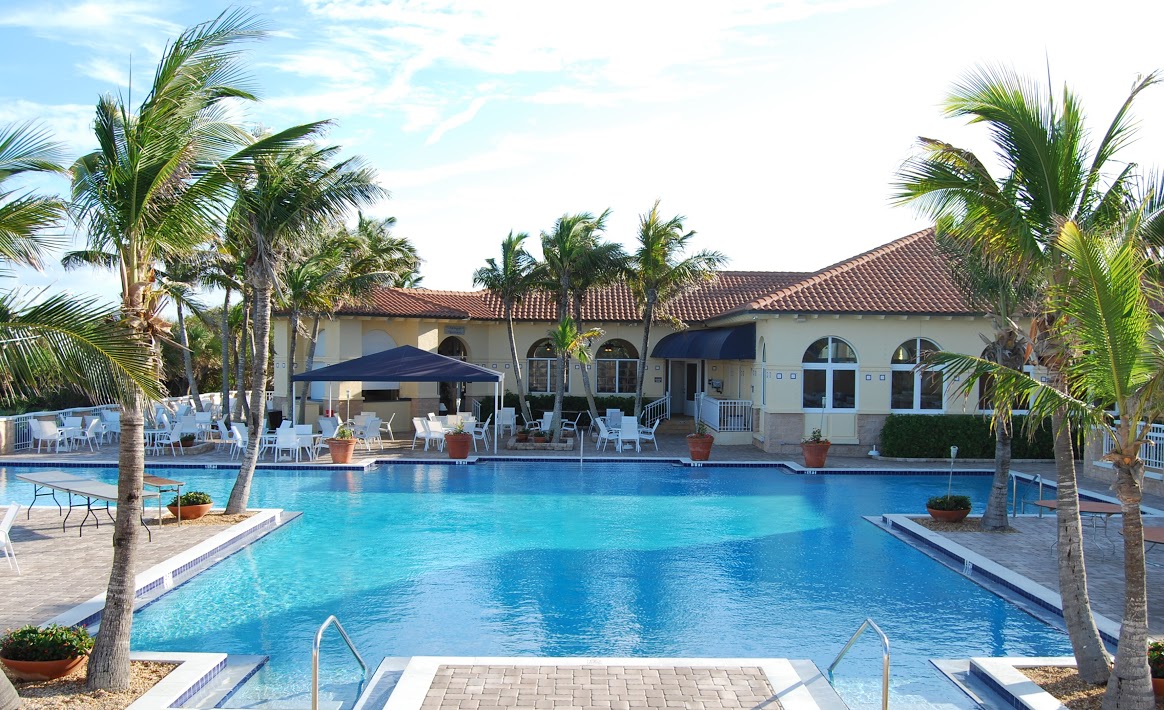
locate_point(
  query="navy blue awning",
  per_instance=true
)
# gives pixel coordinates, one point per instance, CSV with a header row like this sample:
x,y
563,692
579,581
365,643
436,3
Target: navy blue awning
x,y
738,343
402,364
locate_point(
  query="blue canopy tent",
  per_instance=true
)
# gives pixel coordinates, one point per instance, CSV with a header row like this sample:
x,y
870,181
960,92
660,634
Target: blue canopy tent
x,y
410,364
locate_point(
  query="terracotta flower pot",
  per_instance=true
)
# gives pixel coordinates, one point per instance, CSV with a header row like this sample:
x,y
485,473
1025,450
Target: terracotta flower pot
x,y
190,512
341,450
1158,686
699,446
42,670
458,445
947,516
522,437
815,454
538,439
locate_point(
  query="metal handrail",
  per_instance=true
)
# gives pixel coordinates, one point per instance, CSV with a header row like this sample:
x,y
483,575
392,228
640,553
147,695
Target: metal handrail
x,y
1014,508
315,657
869,624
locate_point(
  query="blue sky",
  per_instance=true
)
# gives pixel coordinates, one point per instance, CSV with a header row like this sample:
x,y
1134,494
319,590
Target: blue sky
x,y
774,127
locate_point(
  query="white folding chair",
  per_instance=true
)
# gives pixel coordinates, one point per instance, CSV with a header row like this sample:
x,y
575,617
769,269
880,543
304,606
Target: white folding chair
x,y
5,540
648,434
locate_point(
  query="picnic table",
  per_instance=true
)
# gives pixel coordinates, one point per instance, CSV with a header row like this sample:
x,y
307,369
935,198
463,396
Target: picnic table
x,y
1094,510
47,483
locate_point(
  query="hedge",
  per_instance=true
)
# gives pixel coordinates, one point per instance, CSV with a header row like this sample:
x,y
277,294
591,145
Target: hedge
x,y
931,436
539,403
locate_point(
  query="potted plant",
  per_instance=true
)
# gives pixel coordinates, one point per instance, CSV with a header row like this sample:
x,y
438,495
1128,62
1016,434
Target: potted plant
x,y
522,435
33,653
457,441
699,443
342,444
948,508
538,436
187,440
1156,663
815,449
195,504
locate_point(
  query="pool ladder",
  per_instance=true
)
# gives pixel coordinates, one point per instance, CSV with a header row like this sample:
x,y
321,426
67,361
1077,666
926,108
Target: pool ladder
x,y
1014,481
869,624
315,657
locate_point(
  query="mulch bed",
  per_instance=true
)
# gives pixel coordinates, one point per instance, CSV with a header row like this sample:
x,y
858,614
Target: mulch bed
x,y
69,692
1063,682
208,519
969,524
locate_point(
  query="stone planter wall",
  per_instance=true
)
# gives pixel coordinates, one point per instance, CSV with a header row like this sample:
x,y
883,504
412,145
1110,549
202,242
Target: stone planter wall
x,y
564,445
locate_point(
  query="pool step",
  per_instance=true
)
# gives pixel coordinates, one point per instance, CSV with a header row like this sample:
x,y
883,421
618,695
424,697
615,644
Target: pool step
x,y
239,669
381,684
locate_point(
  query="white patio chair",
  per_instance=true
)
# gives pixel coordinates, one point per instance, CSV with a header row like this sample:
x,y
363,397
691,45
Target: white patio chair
x,y
205,423
435,432
604,434
240,440
88,435
306,439
568,425
173,439
420,432
614,418
89,419
369,432
77,422
286,440
508,420
386,428
629,432
46,433
5,540
225,435
112,422
328,427
648,434
481,433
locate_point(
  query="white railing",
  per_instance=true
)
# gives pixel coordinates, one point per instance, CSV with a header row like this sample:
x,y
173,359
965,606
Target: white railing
x,y
1151,452
477,409
22,434
659,409
726,414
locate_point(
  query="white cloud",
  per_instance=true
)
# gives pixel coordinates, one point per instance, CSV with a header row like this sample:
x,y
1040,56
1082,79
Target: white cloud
x,y
70,124
100,24
456,120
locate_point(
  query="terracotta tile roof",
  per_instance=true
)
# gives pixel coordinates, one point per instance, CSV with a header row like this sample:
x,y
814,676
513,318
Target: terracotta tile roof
x,y
904,276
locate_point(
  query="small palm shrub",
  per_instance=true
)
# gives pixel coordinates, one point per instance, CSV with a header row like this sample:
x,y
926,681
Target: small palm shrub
x,y
52,643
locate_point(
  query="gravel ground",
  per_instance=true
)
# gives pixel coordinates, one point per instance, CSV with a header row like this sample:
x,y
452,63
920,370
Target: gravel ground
x,y
1063,682
966,525
69,692
208,519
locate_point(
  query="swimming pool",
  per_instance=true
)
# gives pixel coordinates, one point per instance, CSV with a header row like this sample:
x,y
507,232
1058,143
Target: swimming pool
x,y
554,559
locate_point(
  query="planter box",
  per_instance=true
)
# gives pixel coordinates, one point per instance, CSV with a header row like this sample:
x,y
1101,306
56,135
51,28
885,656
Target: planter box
x,y
564,445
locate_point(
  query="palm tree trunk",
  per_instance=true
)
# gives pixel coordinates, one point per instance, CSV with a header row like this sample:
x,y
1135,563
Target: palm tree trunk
x,y
1091,656
1130,684
309,365
224,341
244,409
561,364
582,366
292,345
187,358
995,518
648,316
525,413
241,493
9,700
108,667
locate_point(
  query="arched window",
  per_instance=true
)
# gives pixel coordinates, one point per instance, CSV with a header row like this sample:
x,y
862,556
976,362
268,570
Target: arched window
x,y
830,375
910,388
542,367
986,386
617,364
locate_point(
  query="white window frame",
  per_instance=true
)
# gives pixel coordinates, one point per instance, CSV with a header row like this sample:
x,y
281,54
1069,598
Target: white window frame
x,y
1028,370
830,368
617,376
551,371
917,375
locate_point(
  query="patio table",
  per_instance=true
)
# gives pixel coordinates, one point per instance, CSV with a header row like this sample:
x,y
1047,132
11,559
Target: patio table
x,y
85,488
165,485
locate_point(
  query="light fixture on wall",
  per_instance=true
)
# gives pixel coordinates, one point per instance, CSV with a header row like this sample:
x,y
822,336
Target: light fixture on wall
x,y
800,318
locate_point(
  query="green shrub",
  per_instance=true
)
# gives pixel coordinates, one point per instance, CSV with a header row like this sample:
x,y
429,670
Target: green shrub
x,y
949,503
539,403
193,498
1156,658
52,643
926,436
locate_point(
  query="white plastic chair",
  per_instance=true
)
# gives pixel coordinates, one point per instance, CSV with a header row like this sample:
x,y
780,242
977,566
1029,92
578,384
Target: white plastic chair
x,y
508,420
481,433
205,423
287,440
240,440
604,435
173,439
629,432
5,540
112,422
386,428
328,427
420,432
614,418
568,425
648,434
46,433
87,435
225,435
434,432
368,432
306,440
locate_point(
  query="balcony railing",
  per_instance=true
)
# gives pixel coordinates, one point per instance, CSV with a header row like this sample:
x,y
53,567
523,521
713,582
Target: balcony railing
x,y
1151,451
726,414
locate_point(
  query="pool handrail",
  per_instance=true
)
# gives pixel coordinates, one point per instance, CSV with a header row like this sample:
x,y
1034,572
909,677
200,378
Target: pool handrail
x,y
869,624
315,657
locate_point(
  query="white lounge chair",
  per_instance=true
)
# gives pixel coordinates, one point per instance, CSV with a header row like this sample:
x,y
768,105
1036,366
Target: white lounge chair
x,y
5,540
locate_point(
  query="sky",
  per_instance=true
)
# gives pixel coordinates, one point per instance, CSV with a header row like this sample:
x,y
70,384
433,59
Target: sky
x,y
774,128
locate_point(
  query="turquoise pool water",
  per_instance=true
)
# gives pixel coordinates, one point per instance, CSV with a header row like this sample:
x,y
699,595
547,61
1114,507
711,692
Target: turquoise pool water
x,y
555,559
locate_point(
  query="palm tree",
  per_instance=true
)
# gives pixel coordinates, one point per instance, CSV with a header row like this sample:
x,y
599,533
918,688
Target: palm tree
x,y
51,340
1114,358
601,265
570,342
510,280
1051,175
565,254
155,188
659,272
285,195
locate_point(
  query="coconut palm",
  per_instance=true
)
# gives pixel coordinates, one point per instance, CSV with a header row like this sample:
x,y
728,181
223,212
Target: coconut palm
x,y
511,279
658,272
1051,174
153,189
279,203
573,344
1113,344
567,252
602,265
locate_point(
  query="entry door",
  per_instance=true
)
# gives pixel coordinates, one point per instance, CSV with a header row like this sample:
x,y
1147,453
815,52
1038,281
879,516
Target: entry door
x,y
691,388
677,382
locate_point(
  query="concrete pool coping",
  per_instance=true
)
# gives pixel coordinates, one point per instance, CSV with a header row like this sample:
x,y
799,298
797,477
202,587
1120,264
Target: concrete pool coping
x,y
797,685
